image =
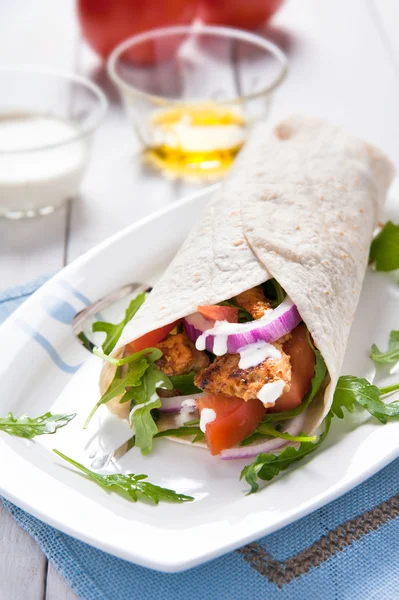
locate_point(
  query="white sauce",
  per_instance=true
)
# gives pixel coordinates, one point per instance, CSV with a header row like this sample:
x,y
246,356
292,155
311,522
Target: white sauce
x,y
37,178
200,344
188,406
222,329
271,391
207,416
153,398
255,354
219,335
220,345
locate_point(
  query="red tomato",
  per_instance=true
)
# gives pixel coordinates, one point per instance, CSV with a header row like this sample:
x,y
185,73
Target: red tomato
x,y
219,313
235,420
247,14
303,361
105,23
150,339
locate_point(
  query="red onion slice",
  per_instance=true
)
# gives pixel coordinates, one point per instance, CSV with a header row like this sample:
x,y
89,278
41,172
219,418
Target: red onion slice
x,y
174,404
271,327
294,427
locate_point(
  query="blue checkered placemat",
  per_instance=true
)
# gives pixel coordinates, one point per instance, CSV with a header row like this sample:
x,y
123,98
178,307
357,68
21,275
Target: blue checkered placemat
x,y
346,550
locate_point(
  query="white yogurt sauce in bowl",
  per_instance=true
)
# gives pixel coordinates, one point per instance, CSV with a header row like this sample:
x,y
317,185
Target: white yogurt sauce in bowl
x,y
42,161
47,121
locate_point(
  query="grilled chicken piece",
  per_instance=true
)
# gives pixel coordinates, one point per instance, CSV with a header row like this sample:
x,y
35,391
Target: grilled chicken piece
x,y
180,356
224,376
254,301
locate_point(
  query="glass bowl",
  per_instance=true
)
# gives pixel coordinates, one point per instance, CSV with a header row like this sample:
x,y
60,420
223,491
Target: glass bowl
x,y
47,119
193,92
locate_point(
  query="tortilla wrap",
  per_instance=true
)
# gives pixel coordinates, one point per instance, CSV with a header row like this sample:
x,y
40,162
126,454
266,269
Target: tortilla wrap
x,y
300,204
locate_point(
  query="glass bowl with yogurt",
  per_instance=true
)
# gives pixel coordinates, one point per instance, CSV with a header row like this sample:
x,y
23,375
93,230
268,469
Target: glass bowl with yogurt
x,y
192,93
47,120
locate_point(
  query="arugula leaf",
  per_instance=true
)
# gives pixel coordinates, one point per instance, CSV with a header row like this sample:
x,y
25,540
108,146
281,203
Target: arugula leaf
x,y
384,250
389,389
192,422
351,390
274,292
185,384
114,331
391,355
200,436
118,385
182,431
27,427
132,487
243,315
152,353
268,466
320,371
268,430
265,431
146,399
254,437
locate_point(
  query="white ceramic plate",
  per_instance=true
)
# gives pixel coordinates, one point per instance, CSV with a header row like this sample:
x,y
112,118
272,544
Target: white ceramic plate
x,y
43,368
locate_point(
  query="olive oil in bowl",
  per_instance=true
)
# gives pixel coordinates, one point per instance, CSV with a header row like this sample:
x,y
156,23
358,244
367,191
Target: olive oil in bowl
x,y
195,142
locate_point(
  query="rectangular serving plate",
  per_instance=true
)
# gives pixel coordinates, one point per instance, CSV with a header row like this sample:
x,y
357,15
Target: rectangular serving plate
x,y
43,367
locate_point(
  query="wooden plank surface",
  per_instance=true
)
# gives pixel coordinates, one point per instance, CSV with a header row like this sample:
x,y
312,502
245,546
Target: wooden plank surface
x,y
22,565
385,17
56,586
342,66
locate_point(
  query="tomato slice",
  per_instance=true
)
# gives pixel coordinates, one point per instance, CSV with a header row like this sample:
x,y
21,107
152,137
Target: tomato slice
x,y
219,313
150,339
235,420
303,360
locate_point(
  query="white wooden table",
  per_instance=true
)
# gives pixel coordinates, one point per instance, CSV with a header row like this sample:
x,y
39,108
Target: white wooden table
x,y
344,65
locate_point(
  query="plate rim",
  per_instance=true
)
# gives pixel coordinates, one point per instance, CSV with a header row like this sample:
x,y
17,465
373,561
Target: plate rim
x,y
181,565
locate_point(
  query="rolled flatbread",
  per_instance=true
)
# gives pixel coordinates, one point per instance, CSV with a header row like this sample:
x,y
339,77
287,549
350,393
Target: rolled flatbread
x,y
300,205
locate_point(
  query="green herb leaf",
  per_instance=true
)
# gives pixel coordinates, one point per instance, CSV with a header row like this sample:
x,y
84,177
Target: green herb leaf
x,y
268,466
391,355
192,422
200,436
119,385
27,427
114,331
274,292
146,399
268,430
183,431
151,353
130,486
389,389
254,437
384,249
352,390
185,384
